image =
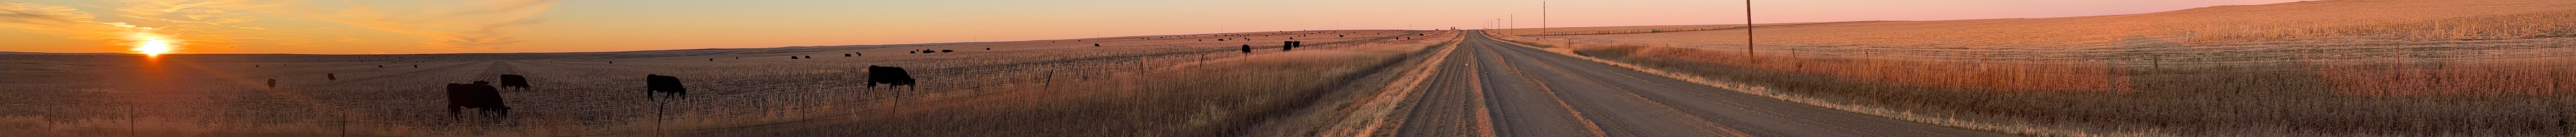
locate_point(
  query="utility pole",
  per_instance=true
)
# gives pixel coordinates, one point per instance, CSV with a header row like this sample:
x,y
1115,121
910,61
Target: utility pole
x,y
1748,30
1542,18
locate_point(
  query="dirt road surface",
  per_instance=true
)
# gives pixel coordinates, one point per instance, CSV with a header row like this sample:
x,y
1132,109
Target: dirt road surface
x,y
1492,88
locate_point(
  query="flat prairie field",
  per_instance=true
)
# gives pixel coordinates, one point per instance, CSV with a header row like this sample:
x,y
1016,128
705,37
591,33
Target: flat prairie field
x,y
583,93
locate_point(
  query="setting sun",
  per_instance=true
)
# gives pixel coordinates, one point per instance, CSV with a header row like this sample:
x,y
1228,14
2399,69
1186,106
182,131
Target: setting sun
x,y
153,47
149,43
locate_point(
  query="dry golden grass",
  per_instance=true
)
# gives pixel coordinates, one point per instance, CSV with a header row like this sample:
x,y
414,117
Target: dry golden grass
x,y
2354,19
2428,92
1213,100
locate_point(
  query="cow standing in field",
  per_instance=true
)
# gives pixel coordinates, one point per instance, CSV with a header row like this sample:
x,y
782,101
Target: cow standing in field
x,y
479,96
272,83
664,84
891,76
514,81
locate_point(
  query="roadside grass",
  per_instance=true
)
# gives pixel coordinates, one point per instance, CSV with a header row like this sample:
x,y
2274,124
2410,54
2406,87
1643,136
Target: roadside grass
x,y
2476,97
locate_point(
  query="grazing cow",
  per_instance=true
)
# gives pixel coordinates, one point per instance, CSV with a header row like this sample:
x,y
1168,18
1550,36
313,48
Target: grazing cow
x,y
947,50
331,76
891,76
612,62
272,83
911,51
711,59
988,48
514,81
1247,48
846,55
380,66
791,57
664,84
809,57
478,96
1095,44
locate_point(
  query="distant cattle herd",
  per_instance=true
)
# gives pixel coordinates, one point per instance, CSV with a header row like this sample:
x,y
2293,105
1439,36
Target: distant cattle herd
x,y
486,98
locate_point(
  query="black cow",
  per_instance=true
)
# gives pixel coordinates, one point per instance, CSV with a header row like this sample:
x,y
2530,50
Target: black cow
x,y
791,57
332,76
478,96
846,55
272,83
891,76
947,50
1095,44
664,84
911,51
514,81
1247,48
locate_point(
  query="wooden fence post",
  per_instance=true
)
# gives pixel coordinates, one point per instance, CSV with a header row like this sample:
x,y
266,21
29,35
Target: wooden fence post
x,y
657,117
130,118
344,123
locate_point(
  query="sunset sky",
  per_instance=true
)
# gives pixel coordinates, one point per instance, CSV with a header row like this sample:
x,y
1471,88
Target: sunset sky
x,y
482,26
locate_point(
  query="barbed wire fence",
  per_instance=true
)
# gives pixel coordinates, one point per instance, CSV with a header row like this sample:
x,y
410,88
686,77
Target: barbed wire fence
x,y
1107,65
